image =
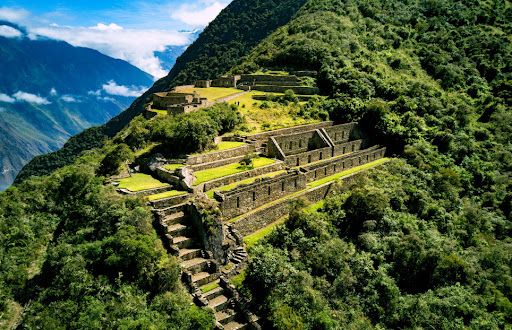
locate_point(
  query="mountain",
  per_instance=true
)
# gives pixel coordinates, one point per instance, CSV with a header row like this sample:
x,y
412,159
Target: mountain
x,y
222,44
50,91
169,56
421,242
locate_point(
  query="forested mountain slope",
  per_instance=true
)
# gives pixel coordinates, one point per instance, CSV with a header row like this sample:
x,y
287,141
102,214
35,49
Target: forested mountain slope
x,y
223,43
421,243
51,91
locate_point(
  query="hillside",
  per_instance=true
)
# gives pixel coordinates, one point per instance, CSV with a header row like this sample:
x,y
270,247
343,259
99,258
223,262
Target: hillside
x,y
52,91
222,44
397,214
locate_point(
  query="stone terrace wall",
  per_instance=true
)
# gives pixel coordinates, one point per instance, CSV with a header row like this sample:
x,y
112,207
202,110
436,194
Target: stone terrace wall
x,y
301,142
171,201
264,217
289,130
278,166
323,153
319,171
261,78
218,155
248,197
304,90
340,133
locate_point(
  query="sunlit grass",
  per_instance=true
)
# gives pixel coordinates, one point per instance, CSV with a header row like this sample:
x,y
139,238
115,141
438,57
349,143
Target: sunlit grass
x,y
173,167
166,194
210,286
139,182
252,239
222,171
237,280
212,93
352,170
243,182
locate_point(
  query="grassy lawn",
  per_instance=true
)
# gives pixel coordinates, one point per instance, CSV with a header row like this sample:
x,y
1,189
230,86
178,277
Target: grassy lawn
x,y
252,239
242,182
219,172
225,145
146,149
212,93
210,286
166,194
173,167
275,117
352,170
139,182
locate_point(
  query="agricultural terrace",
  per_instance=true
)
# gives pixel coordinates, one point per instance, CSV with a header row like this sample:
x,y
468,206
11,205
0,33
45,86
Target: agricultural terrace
x,y
212,93
264,116
139,181
222,171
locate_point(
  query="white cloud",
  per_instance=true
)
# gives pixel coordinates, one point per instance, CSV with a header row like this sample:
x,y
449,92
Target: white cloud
x,y
53,91
107,99
198,14
9,32
6,98
13,14
96,93
114,89
69,99
135,46
30,98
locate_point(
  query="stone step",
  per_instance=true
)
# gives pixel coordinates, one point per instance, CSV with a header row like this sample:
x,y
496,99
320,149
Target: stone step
x,y
213,293
233,325
177,229
225,316
195,265
183,242
187,254
219,303
237,259
174,218
172,209
203,278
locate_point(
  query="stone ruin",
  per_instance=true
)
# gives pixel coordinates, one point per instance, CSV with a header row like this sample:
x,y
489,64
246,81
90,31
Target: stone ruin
x,y
175,102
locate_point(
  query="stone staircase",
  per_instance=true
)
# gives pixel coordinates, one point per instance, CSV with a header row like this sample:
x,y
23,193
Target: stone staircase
x,y
200,271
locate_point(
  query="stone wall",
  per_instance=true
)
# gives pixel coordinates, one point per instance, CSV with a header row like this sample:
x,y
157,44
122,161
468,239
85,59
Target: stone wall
x,y
303,90
300,142
289,130
248,197
217,163
340,133
309,157
171,201
261,78
319,171
218,155
224,181
145,192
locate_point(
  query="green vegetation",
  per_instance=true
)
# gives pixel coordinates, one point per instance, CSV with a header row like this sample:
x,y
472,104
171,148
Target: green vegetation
x,y
352,170
243,182
237,280
225,145
75,255
173,167
212,93
166,194
139,181
219,172
252,239
210,286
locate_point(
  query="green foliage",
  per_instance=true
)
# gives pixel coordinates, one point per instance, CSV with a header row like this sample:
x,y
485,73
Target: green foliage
x,y
113,160
104,266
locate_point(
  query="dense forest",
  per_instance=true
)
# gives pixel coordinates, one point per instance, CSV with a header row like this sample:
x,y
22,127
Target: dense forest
x,y
422,242
222,44
425,241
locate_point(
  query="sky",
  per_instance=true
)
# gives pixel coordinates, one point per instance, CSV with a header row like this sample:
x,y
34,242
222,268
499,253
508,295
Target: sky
x,y
131,30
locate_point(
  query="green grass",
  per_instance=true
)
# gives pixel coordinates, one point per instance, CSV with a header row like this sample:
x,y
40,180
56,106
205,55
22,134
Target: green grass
x,y
139,182
210,286
166,194
252,239
225,145
242,182
146,149
222,171
352,170
160,112
173,167
212,93
315,206
237,280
